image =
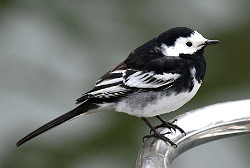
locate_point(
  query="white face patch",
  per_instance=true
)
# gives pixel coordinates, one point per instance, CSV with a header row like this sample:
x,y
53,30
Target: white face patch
x,y
181,47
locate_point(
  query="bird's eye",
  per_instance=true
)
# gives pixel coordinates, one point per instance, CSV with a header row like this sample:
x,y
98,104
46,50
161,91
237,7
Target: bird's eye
x,y
189,44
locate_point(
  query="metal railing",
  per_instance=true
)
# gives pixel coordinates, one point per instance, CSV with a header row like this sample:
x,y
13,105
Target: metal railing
x,y
201,126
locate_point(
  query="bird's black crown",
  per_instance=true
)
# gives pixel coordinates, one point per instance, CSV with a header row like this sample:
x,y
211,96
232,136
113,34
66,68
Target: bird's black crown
x,y
169,37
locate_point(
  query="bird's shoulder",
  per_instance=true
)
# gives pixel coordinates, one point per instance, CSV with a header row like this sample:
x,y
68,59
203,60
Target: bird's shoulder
x,y
147,52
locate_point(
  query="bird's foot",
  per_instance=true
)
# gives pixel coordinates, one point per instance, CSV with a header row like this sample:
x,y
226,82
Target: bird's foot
x,y
160,136
157,134
169,125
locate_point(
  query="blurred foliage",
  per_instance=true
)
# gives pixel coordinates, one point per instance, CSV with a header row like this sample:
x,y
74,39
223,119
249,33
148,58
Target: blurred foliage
x,y
106,31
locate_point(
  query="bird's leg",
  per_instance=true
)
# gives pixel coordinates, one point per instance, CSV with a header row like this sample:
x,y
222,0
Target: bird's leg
x,y
169,125
156,134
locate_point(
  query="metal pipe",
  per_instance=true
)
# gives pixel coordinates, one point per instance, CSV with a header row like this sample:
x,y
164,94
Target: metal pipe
x,y
201,126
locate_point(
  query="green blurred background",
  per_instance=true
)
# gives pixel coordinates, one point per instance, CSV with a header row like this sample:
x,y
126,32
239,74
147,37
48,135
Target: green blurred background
x,y
53,51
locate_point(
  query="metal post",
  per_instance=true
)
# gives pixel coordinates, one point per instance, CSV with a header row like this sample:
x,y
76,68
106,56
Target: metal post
x,y
201,126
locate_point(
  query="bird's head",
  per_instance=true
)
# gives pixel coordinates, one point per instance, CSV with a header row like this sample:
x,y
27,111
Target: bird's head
x,y
182,40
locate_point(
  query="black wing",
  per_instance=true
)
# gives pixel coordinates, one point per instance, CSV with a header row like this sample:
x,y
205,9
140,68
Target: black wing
x,y
122,80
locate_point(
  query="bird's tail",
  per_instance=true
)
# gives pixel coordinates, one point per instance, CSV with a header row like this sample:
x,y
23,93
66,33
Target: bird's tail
x,y
85,107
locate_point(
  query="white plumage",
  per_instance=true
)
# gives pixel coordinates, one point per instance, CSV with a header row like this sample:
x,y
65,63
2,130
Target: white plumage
x,y
141,79
156,102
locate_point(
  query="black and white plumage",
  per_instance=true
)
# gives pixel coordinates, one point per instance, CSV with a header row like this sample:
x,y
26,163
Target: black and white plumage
x,y
158,77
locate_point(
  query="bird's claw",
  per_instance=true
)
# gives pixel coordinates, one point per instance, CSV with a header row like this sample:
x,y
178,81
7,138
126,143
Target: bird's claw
x,y
171,126
162,137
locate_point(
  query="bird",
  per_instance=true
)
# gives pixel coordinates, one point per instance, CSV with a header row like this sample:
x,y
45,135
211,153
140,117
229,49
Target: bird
x,y
156,78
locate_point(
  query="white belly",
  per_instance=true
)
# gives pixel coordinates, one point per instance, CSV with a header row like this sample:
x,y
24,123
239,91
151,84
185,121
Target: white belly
x,y
138,105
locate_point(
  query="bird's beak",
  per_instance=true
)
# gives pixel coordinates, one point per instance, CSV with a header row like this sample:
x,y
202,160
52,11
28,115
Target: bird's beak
x,y
210,42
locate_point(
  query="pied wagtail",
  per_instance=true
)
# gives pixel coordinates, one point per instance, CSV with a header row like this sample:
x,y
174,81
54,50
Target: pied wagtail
x,y
158,77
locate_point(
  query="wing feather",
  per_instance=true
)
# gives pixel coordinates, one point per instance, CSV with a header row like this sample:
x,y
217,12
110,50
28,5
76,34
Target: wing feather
x,y
120,81
149,80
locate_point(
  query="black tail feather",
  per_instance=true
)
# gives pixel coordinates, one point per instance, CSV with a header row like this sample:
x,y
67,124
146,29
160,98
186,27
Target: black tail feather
x,y
83,108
